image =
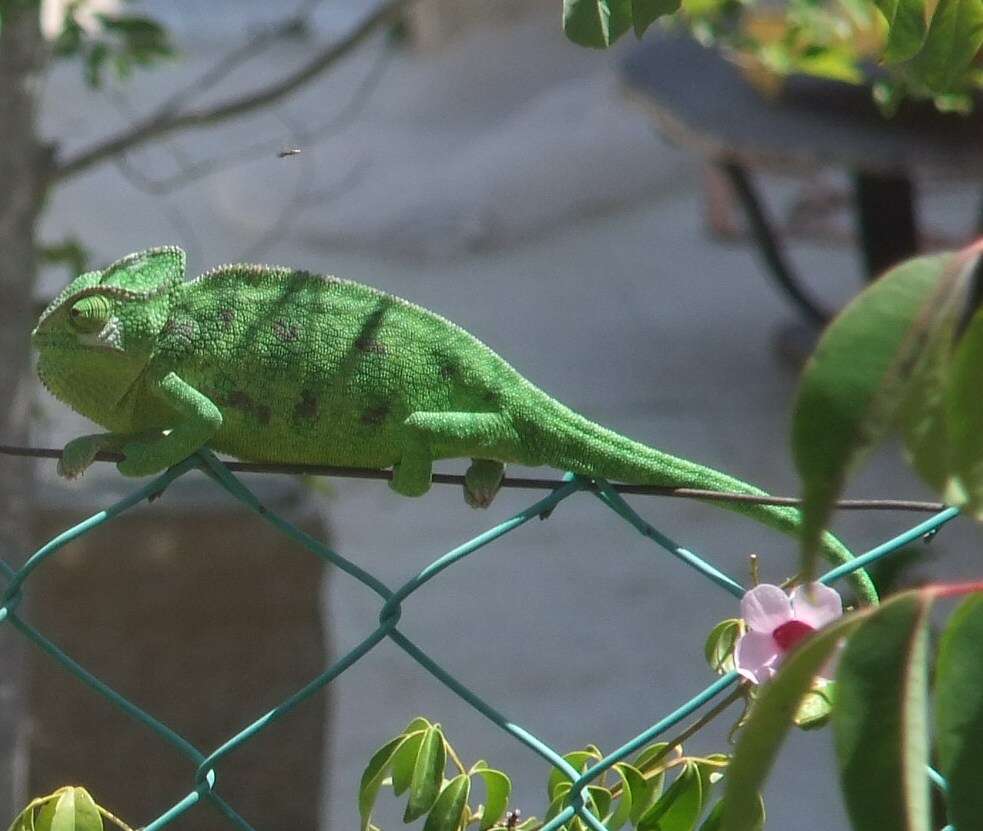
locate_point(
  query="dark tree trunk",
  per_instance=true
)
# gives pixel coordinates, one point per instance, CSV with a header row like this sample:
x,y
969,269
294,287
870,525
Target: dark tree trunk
x,y
23,169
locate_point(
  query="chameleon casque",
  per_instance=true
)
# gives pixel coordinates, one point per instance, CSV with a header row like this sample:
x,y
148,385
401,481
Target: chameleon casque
x,y
277,365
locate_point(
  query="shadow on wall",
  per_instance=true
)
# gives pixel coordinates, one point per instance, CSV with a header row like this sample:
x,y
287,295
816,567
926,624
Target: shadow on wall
x,y
205,617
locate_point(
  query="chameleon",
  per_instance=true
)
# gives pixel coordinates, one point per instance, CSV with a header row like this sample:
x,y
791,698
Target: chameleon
x,y
273,364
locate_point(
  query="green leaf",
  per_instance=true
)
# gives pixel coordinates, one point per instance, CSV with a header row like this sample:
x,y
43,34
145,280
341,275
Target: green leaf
x,y
133,25
719,647
853,387
596,23
940,436
959,712
645,12
73,810
679,807
372,776
617,818
558,803
428,774
715,819
816,707
643,792
94,60
906,28
600,800
657,751
953,41
448,810
964,422
769,721
711,774
404,760
419,723
880,721
498,788
27,816
579,760
24,821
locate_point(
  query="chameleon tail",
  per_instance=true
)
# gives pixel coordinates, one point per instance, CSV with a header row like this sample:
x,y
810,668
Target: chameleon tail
x,y
573,443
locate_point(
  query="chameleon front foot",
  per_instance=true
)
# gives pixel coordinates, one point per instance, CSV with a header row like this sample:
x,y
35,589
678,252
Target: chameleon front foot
x,y
411,477
482,481
79,454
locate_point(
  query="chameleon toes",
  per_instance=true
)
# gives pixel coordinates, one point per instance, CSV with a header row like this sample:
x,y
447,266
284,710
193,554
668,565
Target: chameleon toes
x,y
482,482
77,456
69,473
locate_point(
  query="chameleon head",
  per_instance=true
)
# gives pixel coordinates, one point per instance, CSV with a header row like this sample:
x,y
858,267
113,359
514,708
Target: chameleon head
x,y
97,336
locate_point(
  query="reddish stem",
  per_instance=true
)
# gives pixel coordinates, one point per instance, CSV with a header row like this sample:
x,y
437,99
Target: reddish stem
x,y
956,589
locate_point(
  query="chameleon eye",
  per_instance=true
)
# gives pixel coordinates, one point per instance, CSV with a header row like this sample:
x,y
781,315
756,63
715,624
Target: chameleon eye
x,y
90,314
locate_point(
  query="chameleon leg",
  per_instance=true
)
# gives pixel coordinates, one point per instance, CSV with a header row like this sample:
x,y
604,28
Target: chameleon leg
x,y
428,436
200,420
81,452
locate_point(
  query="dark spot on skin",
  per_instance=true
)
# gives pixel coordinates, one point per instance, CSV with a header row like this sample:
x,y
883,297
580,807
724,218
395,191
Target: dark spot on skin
x,y
240,400
306,409
374,416
447,372
227,316
243,401
490,397
285,332
182,328
365,344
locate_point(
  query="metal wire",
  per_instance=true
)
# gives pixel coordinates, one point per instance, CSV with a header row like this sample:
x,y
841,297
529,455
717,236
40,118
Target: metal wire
x,y
204,764
530,483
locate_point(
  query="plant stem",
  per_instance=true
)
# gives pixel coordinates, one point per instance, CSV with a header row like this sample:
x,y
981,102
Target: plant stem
x,y
113,818
699,724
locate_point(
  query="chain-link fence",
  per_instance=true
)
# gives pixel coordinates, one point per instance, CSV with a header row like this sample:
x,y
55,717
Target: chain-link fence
x,y
206,764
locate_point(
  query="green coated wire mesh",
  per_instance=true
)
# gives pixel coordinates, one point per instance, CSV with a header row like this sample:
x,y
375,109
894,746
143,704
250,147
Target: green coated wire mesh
x,y
206,764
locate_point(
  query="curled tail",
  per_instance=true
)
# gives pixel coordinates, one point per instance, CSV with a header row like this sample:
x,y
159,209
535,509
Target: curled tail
x,y
569,441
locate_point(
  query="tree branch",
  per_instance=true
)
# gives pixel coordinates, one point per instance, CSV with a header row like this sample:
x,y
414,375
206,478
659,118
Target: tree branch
x,y
195,171
164,122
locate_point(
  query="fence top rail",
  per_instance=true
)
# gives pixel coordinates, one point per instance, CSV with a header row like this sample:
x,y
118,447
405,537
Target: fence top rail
x,y
524,482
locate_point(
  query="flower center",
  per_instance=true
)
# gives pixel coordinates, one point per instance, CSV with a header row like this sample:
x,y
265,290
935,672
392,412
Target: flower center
x,y
790,633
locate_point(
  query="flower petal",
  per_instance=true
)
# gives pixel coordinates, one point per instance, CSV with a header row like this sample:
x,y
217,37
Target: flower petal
x,y
757,656
816,604
765,608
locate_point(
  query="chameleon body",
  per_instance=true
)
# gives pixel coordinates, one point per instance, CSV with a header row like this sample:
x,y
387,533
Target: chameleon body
x,y
277,365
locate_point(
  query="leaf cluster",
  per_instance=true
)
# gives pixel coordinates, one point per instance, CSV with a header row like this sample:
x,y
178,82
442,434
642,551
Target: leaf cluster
x,y
905,357
415,763
599,23
660,789
67,809
121,42
924,49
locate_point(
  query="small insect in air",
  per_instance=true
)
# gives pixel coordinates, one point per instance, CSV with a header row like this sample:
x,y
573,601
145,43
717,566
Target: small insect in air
x,y
288,151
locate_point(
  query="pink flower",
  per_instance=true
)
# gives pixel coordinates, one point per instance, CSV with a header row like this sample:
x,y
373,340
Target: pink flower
x,y
776,622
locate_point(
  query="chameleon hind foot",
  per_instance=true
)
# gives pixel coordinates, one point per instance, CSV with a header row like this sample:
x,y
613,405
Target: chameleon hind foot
x,y
482,481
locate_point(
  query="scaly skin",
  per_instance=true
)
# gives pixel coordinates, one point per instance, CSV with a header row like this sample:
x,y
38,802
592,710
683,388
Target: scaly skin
x,y
275,365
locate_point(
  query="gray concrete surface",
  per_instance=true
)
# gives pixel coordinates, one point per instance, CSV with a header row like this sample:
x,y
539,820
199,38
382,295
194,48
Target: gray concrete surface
x,y
503,183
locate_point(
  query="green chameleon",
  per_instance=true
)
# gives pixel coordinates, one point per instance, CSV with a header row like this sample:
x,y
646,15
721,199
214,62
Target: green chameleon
x,y
276,365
